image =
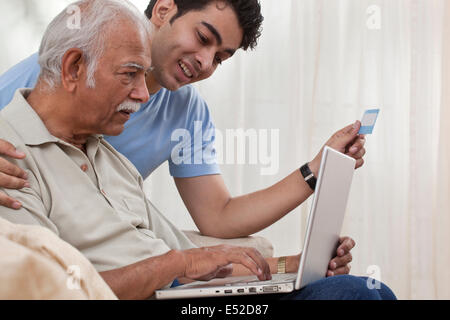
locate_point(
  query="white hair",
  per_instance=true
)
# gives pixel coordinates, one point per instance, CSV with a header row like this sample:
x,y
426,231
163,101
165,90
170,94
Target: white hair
x,y
88,33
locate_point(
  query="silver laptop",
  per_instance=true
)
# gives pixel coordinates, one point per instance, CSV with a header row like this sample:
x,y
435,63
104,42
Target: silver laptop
x,y
321,240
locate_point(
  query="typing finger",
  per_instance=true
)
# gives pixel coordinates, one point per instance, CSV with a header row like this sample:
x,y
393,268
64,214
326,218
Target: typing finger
x,y
262,263
247,258
244,259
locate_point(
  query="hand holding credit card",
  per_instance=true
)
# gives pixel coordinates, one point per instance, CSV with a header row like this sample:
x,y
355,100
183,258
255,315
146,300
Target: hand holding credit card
x,y
368,121
347,142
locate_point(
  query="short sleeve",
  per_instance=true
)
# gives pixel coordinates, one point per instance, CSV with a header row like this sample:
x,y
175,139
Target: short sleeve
x,y
33,210
194,152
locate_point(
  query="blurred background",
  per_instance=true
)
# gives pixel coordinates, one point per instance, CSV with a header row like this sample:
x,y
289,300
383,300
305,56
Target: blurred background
x,y
318,66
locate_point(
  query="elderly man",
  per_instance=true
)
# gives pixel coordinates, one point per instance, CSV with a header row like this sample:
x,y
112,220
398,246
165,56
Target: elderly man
x,y
82,189
79,186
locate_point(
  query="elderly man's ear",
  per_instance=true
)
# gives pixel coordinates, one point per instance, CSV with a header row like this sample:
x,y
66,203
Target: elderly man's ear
x,y
73,67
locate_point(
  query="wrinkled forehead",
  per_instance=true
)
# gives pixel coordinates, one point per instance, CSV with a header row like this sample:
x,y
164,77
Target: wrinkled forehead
x,y
129,40
126,29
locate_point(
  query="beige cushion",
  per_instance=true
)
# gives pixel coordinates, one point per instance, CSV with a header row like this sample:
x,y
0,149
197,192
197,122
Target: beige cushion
x,y
36,264
259,243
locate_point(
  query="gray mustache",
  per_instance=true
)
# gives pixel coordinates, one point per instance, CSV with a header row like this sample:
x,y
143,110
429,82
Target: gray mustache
x,y
129,106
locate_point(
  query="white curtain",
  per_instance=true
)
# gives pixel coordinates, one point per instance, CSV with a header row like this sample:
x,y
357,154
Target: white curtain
x,y
441,190
319,65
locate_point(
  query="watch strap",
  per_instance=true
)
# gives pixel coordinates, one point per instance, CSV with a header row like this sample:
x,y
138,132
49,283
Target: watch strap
x,y
281,265
309,177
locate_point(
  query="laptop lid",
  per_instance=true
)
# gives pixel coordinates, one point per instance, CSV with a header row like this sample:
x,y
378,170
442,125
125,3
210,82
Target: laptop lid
x,y
324,226
326,216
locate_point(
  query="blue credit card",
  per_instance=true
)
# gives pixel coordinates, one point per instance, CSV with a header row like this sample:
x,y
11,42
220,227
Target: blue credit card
x,y
368,121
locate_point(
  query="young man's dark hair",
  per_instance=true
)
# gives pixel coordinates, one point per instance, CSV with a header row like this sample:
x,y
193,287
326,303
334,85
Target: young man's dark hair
x,y
248,12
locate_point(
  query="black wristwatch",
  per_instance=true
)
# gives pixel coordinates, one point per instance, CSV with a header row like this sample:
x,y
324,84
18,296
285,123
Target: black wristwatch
x,y
309,177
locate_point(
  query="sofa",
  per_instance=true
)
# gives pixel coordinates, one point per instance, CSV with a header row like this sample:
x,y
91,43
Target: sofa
x,y
37,265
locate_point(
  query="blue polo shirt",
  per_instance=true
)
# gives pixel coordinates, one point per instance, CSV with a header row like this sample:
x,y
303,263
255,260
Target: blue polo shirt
x,y
173,126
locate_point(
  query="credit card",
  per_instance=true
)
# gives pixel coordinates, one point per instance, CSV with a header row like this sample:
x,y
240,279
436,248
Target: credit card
x,y
368,121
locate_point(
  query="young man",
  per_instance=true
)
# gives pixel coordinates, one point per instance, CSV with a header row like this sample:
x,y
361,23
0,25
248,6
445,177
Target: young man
x,y
191,39
89,85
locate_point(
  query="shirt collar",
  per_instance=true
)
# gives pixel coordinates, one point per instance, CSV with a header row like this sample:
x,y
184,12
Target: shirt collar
x,y
27,122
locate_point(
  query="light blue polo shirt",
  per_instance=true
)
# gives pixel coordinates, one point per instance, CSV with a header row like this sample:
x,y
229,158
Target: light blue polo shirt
x,y
172,126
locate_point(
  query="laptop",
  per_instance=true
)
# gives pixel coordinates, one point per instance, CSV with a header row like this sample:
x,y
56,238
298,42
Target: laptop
x,y
319,247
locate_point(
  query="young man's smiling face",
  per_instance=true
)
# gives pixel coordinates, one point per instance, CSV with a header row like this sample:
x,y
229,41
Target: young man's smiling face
x,y
191,48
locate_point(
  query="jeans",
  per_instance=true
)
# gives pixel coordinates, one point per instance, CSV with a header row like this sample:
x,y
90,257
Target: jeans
x,y
343,287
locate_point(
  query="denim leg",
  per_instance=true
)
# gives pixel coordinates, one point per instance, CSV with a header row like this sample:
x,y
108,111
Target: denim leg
x,y
343,287
384,291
